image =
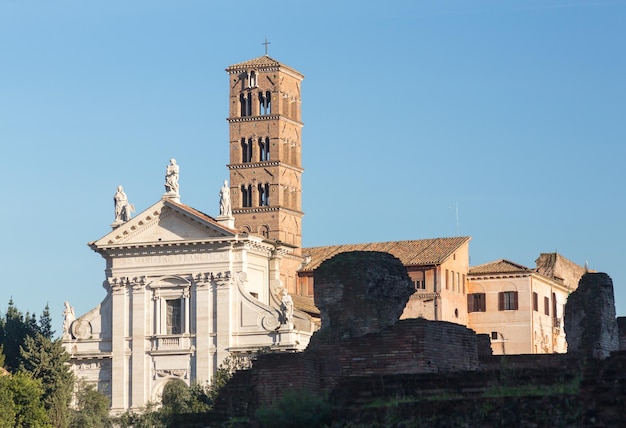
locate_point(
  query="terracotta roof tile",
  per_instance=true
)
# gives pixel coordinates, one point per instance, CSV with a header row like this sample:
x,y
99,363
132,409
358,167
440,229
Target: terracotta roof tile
x,y
260,63
499,266
410,253
305,304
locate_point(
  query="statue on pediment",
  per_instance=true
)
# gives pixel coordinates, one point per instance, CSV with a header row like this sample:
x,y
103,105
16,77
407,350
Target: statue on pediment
x,y
68,318
225,205
171,177
286,306
123,210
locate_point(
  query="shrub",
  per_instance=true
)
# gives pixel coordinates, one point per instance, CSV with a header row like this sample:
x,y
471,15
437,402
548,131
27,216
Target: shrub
x,y
296,409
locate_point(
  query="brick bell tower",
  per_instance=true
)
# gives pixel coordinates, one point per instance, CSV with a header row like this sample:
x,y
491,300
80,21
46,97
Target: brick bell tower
x,y
265,166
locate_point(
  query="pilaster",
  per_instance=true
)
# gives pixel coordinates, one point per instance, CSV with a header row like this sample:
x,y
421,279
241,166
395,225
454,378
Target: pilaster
x,y
119,330
139,375
204,315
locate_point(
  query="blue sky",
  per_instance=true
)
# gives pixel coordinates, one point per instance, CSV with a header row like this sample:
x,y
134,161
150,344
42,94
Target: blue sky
x,y
512,111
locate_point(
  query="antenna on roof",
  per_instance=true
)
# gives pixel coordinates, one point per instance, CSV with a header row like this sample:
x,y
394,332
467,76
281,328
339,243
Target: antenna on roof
x,y
458,233
266,43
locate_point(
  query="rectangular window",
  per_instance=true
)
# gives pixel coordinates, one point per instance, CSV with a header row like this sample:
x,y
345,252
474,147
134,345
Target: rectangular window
x,y
419,284
507,301
447,278
476,302
546,305
535,302
173,317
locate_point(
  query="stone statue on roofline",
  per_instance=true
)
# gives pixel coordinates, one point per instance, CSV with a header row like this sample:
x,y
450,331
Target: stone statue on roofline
x,y
225,205
123,210
68,318
286,307
171,178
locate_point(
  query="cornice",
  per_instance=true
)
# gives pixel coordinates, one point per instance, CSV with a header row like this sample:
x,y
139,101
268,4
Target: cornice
x,y
495,275
251,165
168,244
254,210
263,118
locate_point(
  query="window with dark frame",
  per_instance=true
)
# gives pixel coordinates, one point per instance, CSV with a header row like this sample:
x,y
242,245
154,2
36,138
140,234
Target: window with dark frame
x,y
173,318
476,302
507,301
546,305
535,302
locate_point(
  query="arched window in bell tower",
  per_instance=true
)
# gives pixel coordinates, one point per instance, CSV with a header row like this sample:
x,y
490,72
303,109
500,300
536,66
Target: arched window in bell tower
x,y
246,150
252,77
246,195
264,195
265,103
264,149
245,100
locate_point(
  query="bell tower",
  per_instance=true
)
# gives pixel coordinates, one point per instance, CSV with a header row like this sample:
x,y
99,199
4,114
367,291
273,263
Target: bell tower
x,y
265,129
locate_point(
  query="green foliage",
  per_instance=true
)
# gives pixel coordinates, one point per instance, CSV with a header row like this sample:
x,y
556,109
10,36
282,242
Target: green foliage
x,y
8,408
296,409
92,408
150,417
230,365
13,330
46,360
45,323
16,327
21,402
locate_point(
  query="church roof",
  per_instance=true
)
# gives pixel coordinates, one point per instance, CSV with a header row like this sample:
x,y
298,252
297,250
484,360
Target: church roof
x,y
499,266
264,62
139,230
411,253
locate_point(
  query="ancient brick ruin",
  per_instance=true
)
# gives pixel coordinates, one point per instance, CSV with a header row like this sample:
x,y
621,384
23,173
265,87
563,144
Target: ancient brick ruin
x,y
590,323
361,355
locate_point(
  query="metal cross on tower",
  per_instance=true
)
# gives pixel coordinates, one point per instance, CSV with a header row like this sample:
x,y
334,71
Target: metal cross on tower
x,y
266,43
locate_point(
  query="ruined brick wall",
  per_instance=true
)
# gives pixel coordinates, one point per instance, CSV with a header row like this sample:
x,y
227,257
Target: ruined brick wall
x,y
409,346
273,374
361,292
621,327
590,323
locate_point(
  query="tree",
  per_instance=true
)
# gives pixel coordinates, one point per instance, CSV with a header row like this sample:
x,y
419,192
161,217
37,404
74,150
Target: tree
x,y
92,408
45,323
46,360
21,400
13,332
8,409
229,365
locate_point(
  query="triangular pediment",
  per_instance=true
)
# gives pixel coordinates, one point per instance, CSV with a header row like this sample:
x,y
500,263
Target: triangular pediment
x,y
165,222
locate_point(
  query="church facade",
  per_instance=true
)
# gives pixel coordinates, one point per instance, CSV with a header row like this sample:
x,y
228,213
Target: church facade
x,y
184,289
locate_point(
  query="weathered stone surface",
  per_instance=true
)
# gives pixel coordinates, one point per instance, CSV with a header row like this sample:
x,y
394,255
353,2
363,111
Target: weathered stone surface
x,y
590,323
361,292
621,326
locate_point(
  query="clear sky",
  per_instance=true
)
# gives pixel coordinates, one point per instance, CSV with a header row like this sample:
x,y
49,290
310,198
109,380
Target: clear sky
x,y
511,111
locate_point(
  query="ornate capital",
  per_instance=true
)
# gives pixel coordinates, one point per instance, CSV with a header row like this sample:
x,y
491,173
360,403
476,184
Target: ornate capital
x,y
138,283
202,279
117,285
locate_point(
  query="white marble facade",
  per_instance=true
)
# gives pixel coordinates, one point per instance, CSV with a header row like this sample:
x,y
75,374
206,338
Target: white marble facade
x,y
183,291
